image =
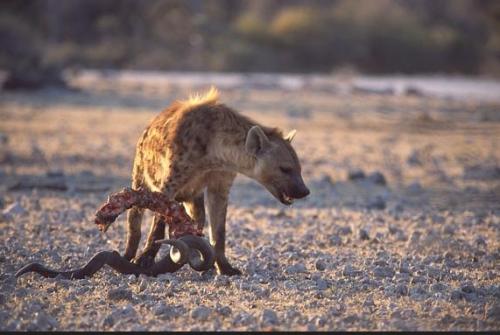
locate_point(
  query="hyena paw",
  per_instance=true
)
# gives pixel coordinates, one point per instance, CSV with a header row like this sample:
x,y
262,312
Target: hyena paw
x,y
228,270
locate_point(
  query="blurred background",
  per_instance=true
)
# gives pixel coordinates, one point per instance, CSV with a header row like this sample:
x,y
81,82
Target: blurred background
x,y
39,38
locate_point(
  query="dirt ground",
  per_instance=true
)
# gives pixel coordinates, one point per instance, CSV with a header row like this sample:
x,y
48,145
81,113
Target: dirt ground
x,y
401,230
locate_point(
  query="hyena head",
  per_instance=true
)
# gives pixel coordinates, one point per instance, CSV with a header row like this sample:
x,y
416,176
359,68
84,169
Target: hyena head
x,y
277,167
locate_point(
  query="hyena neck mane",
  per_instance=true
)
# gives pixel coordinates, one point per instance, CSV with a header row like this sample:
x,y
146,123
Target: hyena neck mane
x,y
228,131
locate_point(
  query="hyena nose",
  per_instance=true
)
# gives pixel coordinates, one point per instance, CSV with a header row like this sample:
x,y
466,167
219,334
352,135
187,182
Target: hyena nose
x,y
303,192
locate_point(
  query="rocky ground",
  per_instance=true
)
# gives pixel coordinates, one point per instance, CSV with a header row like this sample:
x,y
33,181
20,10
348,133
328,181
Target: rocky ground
x,y
401,230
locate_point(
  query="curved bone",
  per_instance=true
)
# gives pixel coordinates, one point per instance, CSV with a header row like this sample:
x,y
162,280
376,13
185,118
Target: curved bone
x,y
202,255
115,261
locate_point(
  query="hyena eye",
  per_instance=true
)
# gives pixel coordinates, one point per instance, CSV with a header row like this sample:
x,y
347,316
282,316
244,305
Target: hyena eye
x,y
285,170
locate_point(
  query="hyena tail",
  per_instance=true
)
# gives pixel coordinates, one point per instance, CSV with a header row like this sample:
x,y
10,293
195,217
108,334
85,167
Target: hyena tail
x,y
134,217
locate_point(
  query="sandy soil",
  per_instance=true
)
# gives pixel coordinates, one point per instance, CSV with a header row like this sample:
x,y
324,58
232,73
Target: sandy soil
x,y
401,230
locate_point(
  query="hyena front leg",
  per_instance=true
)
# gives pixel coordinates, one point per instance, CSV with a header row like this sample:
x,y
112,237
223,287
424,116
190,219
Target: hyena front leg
x,y
134,215
134,219
156,232
217,197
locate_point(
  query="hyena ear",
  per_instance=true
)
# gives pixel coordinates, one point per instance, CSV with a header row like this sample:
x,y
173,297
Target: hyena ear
x,y
256,141
289,137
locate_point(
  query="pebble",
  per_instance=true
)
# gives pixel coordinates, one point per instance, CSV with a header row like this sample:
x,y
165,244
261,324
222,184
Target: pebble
x,y
335,240
468,288
401,289
321,284
296,268
457,295
269,317
363,234
376,203
493,312
43,322
119,294
438,287
221,281
350,271
377,178
243,319
320,265
383,272
356,174
201,313
224,310
345,230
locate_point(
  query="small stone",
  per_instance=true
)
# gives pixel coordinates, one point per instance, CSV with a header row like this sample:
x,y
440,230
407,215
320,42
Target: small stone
x,y
221,281
127,311
201,313
413,158
345,230
418,279
320,265
224,310
480,241
363,234
377,203
269,317
468,288
383,272
377,178
335,240
404,267
166,277
401,236
401,289
449,229
356,174
438,287
119,294
350,271
109,320
43,321
321,284
164,310
493,312
296,268
457,295
243,319
369,303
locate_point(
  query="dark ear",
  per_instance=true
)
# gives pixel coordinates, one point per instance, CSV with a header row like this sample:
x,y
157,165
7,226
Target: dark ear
x,y
256,141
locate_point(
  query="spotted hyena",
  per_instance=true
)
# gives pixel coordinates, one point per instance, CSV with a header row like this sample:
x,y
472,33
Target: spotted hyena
x,y
201,144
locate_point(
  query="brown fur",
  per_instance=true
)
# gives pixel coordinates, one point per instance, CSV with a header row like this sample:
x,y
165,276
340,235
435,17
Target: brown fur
x,y
202,144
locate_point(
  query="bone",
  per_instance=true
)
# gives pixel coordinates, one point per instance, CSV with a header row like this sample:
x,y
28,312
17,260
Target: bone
x,y
178,220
